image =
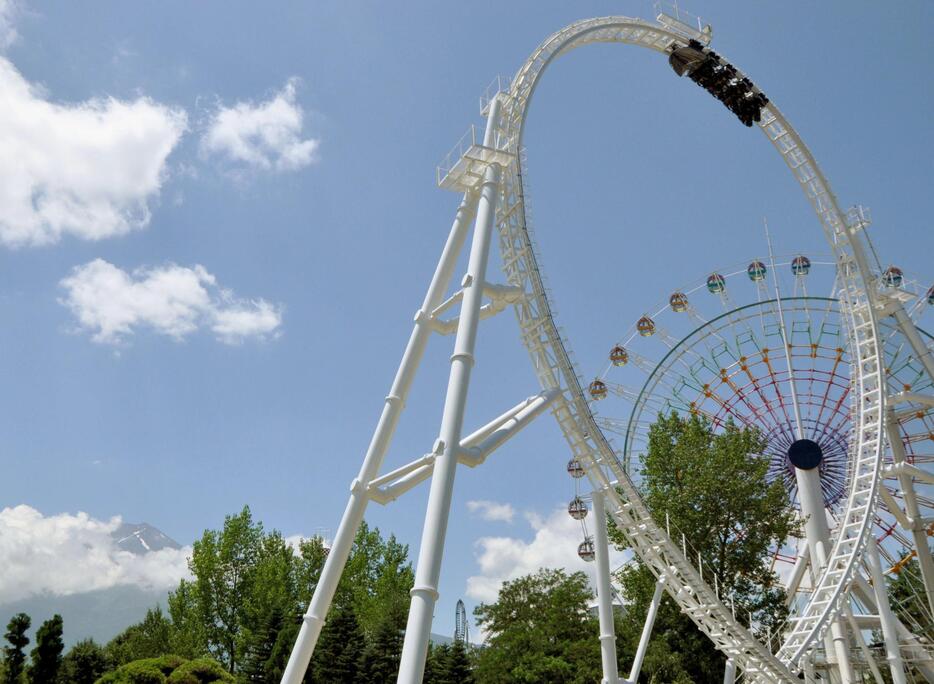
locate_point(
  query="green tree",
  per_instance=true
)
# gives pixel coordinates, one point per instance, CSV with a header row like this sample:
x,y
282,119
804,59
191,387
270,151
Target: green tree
x,y
338,655
14,655
150,638
168,669
380,661
539,630
711,487
84,663
906,592
224,564
187,636
454,665
256,663
434,663
250,586
47,655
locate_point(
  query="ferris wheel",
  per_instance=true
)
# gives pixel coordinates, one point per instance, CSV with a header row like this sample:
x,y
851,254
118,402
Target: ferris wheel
x,y
848,356
762,345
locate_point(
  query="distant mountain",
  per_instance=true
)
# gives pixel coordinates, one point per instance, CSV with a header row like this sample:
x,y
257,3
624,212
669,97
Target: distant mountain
x,y
141,538
100,614
104,613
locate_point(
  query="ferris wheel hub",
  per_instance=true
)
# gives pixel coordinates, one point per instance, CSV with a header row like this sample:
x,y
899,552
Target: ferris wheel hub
x,y
805,454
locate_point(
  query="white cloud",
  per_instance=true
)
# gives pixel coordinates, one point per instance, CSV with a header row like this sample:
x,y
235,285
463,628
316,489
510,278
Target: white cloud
x,y
554,545
264,136
8,33
67,554
492,511
88,170
170,300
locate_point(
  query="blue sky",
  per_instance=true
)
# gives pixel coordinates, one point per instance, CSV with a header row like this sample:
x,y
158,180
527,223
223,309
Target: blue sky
x,y
320,245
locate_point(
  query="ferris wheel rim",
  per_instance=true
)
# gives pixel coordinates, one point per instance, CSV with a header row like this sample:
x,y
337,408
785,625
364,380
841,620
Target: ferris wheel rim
x,y
626,443
574,412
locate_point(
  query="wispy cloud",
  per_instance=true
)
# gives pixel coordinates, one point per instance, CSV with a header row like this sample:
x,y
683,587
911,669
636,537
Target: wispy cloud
x,y
171,300
88,170
492,511
8,34
265,136
553,545
67,554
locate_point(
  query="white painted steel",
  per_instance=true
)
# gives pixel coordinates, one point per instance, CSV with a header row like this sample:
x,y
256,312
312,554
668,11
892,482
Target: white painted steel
x,y
385,428
729,672
604,593
647,630
551,360
817,535
428,569
889,633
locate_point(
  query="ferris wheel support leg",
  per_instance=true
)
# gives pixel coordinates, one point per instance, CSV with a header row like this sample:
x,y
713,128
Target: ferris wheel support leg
x,y
921,659
817,535
916,524
604,591
424,593
924,353
313,621
889,632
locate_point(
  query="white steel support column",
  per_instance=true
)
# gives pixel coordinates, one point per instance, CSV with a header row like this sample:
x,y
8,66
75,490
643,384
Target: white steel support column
x,y
729,672
923,353
647,630
889,632
425,591
817,535
313,621
604,591
915,523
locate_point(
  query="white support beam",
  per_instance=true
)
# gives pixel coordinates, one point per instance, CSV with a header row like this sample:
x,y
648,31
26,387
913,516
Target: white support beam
x,y
313,621
911,397
424,593
863,648
904,468
729,671
647,630
604,592
889,632
797,574
920,657
474,450
915,526
473,456
922,351
500,296
393,475
892,507
389,493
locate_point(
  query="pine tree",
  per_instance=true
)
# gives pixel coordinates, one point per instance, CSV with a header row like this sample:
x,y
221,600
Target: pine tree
x,y
14,655
47,655
339,652
256,665
147,639
457,666
84,663
380,662
434,663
